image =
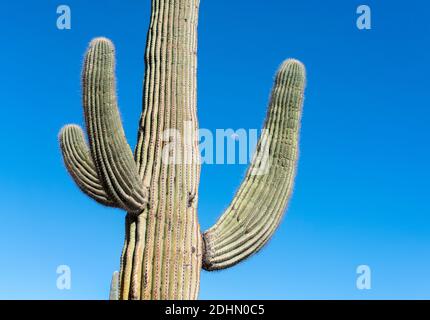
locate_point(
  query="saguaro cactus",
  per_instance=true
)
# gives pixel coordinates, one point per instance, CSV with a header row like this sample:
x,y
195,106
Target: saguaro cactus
x,y
164,250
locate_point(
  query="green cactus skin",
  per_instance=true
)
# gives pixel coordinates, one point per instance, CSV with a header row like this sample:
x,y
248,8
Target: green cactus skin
x,y
114,287
164,250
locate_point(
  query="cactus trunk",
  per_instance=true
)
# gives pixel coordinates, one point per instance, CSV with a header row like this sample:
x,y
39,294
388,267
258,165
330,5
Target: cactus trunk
x,y
164,250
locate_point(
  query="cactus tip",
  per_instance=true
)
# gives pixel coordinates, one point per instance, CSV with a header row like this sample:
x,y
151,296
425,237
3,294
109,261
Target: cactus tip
x,y
102,41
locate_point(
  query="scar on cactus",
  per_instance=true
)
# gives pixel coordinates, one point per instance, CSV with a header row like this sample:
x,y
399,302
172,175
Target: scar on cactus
x,y
164,250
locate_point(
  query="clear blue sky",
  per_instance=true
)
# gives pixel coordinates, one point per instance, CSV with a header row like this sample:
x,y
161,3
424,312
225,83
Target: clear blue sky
x,y
362,190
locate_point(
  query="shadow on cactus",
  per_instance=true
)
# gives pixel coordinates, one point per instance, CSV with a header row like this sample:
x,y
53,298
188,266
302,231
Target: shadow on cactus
x,y
164,250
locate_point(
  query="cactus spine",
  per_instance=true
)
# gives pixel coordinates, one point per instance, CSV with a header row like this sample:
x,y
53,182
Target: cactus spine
x,y
164,250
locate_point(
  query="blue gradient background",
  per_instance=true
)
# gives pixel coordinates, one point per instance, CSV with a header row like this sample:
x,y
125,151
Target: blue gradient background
x,y
362,190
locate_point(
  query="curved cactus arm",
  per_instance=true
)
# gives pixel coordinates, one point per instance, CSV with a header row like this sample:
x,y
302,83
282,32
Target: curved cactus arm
x,y
109,148
78,161
259,204
114,287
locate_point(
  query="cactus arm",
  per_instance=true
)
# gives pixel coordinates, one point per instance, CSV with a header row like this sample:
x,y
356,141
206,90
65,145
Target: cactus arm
x,y
76,156
114,287
109,148
255,212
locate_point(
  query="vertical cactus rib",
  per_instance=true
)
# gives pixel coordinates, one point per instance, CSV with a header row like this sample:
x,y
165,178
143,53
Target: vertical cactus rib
x,y
192,237
126,271
164,262
109,148
255,212
114,287
80,165
166,53
196,251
